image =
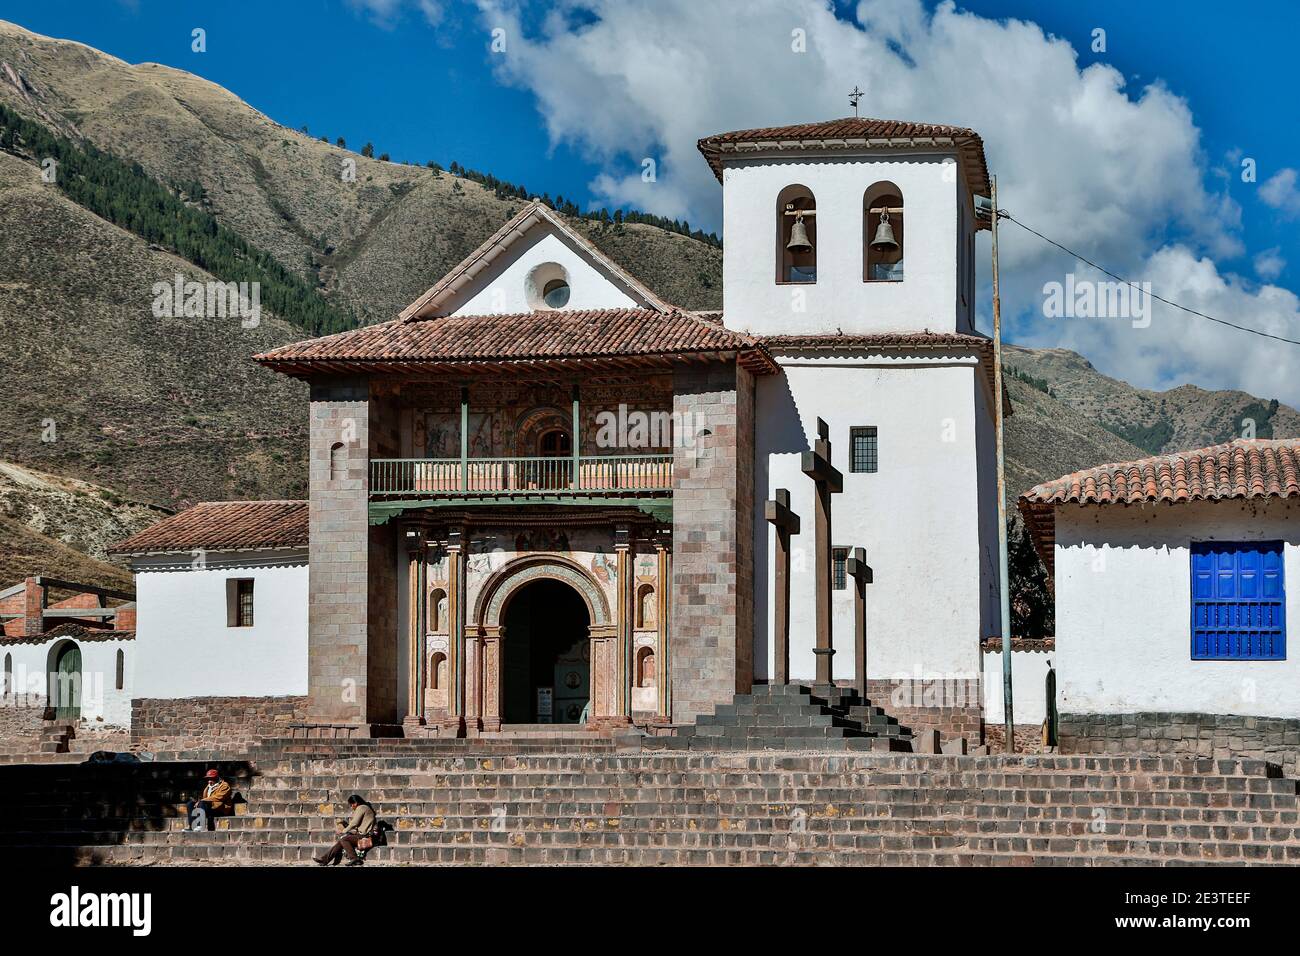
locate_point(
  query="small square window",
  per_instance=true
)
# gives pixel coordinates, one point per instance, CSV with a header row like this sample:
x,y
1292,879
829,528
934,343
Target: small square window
x,y
839,568
863,451
239,602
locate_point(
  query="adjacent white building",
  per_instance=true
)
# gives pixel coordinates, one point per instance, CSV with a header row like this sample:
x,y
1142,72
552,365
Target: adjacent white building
x,y
222,610
1172,605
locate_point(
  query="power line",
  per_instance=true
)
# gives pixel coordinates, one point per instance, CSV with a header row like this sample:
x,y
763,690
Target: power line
x,y
1240,328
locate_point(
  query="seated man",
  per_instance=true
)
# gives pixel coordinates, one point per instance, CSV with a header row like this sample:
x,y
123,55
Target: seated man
x,y
361,824
217,800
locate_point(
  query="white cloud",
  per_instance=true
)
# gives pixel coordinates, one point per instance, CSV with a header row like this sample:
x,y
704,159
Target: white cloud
x,y
1269,263
386,13
1178,348
1280,192
1114,172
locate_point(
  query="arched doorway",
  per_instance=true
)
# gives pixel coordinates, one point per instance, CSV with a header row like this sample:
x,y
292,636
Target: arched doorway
x,y
546,655
65,681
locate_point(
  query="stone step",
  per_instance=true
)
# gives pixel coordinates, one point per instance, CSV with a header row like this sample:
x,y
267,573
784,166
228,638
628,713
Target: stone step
x,y
561,847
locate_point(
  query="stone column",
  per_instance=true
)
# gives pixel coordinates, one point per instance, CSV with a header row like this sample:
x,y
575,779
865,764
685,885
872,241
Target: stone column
x,y
713,538
337,615
491,670
454,725
416,617
625,619
662,588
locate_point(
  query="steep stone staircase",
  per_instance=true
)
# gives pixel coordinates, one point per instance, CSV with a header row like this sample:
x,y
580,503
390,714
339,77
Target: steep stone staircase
x,y
792,717
670,808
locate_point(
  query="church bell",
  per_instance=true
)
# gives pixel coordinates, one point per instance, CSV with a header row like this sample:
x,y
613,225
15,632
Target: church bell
x,y
799,237
884,234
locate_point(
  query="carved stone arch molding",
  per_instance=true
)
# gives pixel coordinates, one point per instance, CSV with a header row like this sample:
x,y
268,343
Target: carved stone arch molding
x,y
536,567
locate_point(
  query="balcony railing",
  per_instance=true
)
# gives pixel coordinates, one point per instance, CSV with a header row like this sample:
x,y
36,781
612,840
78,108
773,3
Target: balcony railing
x,y
530,477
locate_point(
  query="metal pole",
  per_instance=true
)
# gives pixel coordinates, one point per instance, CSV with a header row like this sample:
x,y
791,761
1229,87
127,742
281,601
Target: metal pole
x,y
1004,584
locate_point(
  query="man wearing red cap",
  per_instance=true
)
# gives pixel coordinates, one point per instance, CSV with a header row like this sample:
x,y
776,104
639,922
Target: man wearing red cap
x,y
217,800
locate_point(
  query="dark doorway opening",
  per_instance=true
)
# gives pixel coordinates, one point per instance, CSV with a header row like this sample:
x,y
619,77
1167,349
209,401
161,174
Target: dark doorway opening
x,y
545,656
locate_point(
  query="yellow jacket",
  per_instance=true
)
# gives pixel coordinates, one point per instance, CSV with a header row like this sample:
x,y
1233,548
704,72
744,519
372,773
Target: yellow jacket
x,y
216,793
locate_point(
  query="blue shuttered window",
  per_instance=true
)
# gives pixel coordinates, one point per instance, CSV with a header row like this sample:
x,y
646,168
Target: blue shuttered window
x,y
1238,601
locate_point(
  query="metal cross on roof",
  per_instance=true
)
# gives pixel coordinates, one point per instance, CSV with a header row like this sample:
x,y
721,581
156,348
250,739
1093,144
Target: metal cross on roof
x,y
856,95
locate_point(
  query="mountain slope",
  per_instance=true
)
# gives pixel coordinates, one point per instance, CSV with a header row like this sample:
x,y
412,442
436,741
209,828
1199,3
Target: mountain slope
x,y
61,527
1178,419
165,410
374,243
1046,438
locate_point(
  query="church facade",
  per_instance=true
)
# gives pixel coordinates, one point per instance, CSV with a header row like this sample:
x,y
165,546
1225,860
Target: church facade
x,y
538,494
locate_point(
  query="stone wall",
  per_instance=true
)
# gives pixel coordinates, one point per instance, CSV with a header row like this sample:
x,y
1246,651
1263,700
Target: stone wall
x,y
337,608
712,619
1275,739
166,723
952,707
20,722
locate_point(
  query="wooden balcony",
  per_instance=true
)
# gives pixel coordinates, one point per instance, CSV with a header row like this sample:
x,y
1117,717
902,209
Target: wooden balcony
x,y
535,478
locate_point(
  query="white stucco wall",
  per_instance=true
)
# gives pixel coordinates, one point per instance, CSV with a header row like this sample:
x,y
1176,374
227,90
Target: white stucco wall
x,y
1028,686
101,700
185,648
502,287
921,517
1123,610
928,296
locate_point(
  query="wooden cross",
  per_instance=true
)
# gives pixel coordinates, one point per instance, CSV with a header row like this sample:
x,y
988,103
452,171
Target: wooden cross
x,y
857,568
816,465
777,512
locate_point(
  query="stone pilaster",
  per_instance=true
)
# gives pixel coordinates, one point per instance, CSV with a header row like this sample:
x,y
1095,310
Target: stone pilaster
x,y
663,587
712,561
339,553
625,618
455,722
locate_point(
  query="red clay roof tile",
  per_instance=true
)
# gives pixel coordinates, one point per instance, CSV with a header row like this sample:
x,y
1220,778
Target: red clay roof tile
x,y
848,133
223,526
529,337
1240,469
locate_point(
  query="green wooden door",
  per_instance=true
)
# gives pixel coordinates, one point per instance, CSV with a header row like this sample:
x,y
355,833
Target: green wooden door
x,y
67,684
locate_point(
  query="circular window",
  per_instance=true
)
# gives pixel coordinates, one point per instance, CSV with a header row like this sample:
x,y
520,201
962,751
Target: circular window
x,y
556,294
547,286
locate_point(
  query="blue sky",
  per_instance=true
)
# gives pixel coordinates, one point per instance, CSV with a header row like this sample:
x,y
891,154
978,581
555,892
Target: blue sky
x,y
1135,161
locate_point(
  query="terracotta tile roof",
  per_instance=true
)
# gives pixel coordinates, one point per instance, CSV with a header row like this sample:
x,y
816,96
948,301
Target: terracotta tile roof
x,y
852,133
543,338
81,632
1240,469
223,526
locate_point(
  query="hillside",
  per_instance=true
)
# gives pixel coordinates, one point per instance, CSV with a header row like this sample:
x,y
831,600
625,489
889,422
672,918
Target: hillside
x,y
162,410
374,244
61,527
1158,422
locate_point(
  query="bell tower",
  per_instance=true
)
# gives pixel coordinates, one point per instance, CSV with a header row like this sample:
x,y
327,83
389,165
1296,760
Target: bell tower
x,y
857,225
850,249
